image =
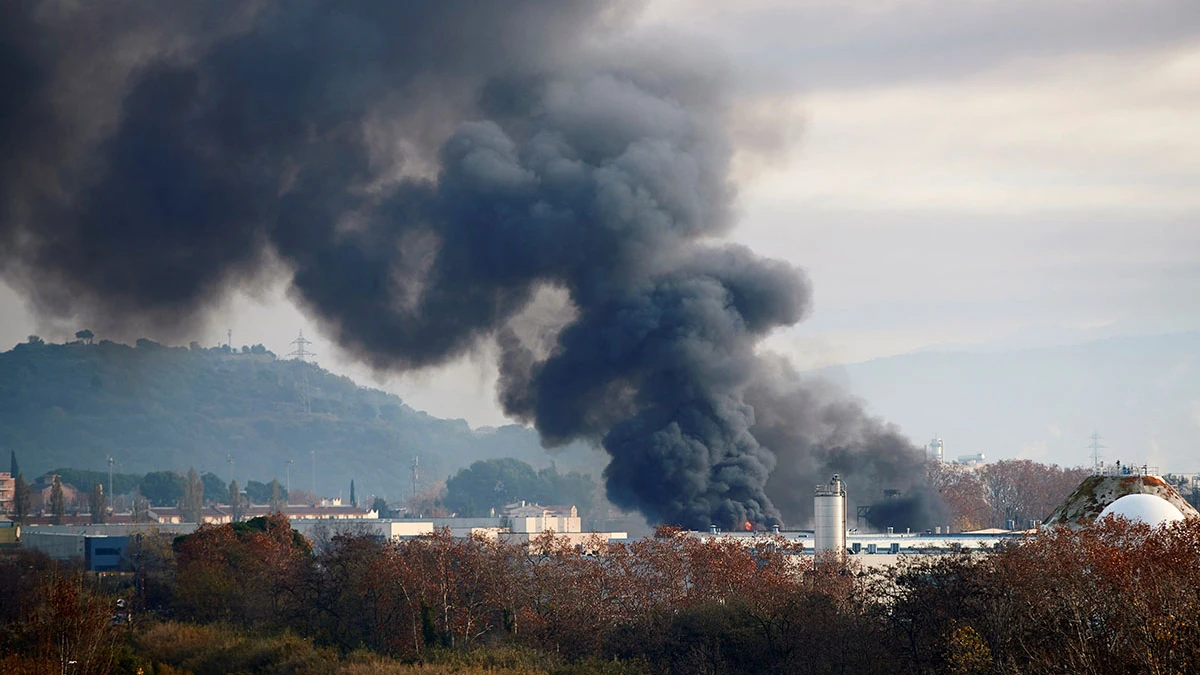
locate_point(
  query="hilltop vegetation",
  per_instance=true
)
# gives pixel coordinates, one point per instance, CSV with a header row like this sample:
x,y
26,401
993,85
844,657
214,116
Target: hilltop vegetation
x,y
153,407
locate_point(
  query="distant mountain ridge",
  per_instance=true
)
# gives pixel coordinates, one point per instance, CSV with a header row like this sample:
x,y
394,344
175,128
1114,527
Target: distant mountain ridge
x,y
1141,393
153,407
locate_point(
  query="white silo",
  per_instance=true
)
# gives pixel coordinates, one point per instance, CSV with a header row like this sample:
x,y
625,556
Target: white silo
x,y
936,450
829,517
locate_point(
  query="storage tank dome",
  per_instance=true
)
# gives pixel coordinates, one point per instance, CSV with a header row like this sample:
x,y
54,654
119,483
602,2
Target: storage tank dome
x,y
1147,508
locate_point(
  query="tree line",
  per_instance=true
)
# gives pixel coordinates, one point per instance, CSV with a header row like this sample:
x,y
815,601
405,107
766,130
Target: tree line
x,y
1117,597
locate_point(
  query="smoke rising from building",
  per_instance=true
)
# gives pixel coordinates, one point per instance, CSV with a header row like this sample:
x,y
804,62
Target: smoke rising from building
x,y
420,172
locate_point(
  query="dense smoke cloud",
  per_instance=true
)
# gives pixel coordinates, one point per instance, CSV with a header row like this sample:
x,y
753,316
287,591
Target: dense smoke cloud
x,y
421,172
816,431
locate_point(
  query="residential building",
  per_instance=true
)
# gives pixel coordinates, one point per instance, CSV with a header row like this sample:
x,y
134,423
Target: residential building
x,y
525,517
8,488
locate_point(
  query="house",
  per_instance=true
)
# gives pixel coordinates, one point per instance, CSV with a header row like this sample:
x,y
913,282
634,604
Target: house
x,y
39,493
211,515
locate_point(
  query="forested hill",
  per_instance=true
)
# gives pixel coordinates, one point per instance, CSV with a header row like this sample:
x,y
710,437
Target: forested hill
x,y
154,407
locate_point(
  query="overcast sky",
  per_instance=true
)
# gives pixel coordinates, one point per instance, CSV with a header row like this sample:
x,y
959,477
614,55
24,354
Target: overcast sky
x,y
953,173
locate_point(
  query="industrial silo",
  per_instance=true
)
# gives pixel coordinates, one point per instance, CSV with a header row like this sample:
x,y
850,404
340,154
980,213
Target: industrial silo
x,y
829,513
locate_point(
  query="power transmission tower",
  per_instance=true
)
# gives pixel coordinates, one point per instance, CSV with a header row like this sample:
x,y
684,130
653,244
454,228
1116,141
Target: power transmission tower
x,y
301,351
1096,447
110,481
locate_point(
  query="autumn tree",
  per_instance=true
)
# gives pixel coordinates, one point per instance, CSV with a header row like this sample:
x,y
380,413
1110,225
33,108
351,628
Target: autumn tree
x,y
1023,490
97,504
963,494
247,573
70,625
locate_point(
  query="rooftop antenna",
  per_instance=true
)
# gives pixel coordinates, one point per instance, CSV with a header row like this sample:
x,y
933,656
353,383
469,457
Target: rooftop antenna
x,y
1095,447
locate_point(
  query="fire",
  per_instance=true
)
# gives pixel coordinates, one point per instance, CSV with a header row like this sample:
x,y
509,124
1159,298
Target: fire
x,y
749,526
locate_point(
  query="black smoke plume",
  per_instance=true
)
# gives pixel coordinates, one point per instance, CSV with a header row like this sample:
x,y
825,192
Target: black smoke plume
x,y
421,172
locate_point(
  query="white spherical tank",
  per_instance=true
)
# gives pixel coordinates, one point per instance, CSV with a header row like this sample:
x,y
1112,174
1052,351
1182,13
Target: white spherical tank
x,y
1147,508
829,517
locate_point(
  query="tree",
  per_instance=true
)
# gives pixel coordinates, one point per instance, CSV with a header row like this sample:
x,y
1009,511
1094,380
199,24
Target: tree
x,y
162,488
36,340
278,503
97,504
58,505
353,501
14,470
962,493
490,484
193,498
258,492
573,488
215,490
85,335
21,499
380,506
1023,490
237,506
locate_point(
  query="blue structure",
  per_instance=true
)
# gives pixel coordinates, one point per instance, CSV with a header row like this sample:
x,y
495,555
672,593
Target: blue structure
x,y
104,554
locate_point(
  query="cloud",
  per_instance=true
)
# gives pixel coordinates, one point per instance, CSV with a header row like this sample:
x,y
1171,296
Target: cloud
x,y
1035,450
820,44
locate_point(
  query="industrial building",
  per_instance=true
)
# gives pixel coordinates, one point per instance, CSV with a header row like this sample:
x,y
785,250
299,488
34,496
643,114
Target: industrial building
x,y
99,553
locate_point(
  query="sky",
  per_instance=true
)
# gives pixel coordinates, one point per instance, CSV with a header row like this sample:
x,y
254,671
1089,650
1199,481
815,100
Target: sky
x,y
951,174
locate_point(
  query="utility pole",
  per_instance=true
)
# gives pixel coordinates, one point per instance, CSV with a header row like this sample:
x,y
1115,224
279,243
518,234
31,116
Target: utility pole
x,y
414,479
1095,447
110,476
229,458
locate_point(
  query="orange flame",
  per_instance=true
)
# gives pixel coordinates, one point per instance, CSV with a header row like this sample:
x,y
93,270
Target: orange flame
x,y
749,526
